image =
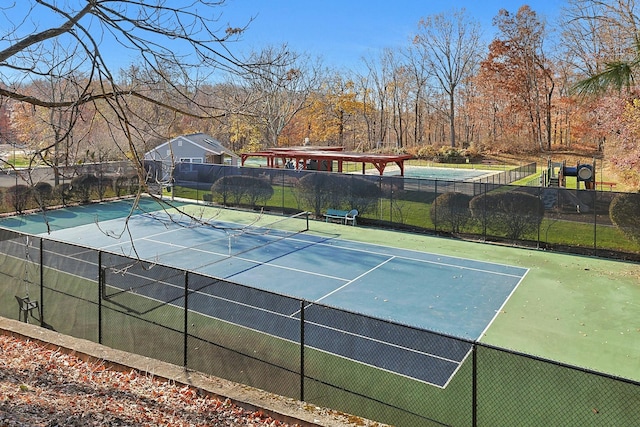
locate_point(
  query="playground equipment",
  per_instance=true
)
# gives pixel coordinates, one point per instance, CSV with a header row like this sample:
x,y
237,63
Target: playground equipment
x,y
556,173
555,177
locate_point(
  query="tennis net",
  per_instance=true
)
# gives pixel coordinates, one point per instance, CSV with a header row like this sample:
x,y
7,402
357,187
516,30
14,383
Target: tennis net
x,y
227,239
156,284
244,238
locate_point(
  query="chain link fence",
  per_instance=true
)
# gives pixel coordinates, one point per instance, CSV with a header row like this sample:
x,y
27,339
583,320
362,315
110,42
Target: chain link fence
x,y
40,188
353,363
490,208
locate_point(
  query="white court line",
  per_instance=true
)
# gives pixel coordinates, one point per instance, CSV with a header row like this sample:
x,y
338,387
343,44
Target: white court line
x,y
444,264
358,250
359,361
353,280
421,252
368,338
499,310
227,256
380,253
151,238
132,241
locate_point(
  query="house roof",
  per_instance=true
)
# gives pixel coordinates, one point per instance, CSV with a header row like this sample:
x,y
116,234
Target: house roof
x,y
202,140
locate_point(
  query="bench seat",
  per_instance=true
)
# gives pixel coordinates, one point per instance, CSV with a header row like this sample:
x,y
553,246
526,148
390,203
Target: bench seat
x,y
343,216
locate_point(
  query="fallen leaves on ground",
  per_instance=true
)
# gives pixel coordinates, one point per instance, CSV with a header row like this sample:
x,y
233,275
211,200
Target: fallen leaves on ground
x,y
44,387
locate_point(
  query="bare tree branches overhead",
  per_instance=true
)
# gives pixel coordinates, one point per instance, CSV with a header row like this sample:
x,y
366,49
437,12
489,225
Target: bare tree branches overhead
x,y
104,32
277,86
603,40
82,44
61,77
82,80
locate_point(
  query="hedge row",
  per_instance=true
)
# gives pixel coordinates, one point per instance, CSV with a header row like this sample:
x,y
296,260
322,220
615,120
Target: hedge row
x,y
82,188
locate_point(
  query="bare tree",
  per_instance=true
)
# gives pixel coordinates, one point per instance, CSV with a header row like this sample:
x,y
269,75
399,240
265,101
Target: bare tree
x,y
378,87
418,73
65,122
276,88
187,39
451,45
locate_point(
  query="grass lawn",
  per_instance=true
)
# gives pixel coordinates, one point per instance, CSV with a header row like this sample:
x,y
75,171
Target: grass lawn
x,y
417,213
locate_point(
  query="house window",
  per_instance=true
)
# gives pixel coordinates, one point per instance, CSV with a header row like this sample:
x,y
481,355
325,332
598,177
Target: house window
x,y
186,163
179,143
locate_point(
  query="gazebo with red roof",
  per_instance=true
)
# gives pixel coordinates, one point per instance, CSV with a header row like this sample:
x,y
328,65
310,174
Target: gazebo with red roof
x,y
324,157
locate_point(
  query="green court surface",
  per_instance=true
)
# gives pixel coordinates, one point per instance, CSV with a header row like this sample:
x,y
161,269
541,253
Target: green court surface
x,y
578,310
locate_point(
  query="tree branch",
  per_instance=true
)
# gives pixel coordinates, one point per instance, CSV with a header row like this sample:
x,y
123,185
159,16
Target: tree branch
x,y
44,35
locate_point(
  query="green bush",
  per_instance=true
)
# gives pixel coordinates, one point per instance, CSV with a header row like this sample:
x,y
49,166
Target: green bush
x,y
18,197
121,185
321,191
449,155
456,155
43,194
450,211
511,214
317,192
236,189
63,193
105,185
364,194
624,212
82,186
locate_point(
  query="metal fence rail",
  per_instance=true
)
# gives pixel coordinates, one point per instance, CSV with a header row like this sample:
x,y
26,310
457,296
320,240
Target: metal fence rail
x,y
330,357
576,221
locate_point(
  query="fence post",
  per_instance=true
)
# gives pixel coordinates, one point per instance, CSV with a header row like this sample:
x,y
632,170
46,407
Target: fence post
x,y
41,261
198,170
391,200
283,174
381,199
474,385
484,214
302,350
186,318
595,223
434,206
101,293
540,194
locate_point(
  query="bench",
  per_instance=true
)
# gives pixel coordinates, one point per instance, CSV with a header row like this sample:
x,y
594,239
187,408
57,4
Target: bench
x,y
343,216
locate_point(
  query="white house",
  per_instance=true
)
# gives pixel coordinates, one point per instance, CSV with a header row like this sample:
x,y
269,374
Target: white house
x,y
193,148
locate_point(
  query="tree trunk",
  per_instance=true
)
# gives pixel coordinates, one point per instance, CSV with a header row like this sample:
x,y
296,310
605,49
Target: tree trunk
x,y
452,119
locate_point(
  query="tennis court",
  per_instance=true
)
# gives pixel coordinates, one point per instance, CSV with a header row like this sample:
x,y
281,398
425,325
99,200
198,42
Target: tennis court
x,y
451,295
441,173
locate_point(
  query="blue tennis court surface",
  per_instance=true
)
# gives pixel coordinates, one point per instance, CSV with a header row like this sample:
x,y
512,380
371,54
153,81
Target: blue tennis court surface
x,y
455,296
445,174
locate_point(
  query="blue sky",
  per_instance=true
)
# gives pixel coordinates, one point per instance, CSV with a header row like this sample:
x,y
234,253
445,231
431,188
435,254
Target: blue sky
x,y
343,31
340,32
